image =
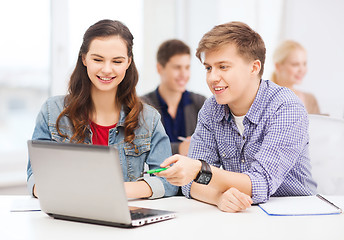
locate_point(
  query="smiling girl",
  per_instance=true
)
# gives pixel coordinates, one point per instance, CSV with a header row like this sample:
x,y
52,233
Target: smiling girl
x,y
102,108
290,59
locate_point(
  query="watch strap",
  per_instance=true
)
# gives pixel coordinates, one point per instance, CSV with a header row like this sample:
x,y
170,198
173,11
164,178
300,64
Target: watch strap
x,y
205,166
205,170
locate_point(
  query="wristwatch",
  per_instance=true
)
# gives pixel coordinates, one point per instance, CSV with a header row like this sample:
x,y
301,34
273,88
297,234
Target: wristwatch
x,y
205,174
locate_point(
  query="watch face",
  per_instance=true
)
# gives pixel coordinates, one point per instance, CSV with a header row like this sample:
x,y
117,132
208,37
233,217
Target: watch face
x,y
204,178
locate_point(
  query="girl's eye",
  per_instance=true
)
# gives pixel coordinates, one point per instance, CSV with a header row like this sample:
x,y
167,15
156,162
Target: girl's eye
x,y
118,62
97,60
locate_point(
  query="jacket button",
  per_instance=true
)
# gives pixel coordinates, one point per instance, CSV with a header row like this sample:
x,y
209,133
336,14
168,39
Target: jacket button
x,y
116,131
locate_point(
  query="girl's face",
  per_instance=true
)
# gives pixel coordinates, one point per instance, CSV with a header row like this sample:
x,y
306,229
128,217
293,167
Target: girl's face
x,y
293,69
106,62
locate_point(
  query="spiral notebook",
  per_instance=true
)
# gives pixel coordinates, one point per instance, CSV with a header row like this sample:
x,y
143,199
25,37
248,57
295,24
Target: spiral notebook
x,y
300,206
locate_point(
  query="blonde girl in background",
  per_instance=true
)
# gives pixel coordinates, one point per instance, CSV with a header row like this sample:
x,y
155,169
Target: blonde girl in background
x,y
290,59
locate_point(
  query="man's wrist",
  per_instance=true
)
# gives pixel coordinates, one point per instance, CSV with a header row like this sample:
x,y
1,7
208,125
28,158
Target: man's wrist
x,y
198,167
205,174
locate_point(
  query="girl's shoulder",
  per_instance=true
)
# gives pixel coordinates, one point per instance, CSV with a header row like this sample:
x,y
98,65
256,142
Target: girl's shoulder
x,y
57,101
149,116
53,106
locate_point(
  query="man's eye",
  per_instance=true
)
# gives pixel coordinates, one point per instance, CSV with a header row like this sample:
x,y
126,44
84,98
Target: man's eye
x,y
223,67
208,69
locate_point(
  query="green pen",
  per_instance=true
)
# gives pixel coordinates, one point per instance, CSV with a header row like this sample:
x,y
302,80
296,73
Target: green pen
x,y
155,170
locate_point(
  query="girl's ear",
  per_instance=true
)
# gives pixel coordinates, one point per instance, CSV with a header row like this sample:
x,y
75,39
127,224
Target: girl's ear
x,y
83,60
129,62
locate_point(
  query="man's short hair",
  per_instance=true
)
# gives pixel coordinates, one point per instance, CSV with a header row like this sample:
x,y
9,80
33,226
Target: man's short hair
x,y
249,43
171,48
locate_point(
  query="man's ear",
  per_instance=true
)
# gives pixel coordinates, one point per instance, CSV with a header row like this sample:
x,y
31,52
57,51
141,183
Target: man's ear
x,y
256,66
159,67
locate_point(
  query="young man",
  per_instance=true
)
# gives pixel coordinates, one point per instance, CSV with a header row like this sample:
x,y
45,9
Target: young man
x,y
255,130
178,107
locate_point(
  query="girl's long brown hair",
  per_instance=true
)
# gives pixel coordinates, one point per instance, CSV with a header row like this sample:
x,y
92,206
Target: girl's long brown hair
x,y
78,103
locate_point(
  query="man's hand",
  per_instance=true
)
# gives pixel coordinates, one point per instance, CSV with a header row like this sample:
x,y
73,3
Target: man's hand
x,y
233,200
183,170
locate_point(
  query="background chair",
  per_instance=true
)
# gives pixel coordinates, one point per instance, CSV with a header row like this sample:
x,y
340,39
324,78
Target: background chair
x,y
326,149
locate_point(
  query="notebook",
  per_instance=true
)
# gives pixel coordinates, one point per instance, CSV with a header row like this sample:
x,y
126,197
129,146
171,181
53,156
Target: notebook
x,y
84,183
299,206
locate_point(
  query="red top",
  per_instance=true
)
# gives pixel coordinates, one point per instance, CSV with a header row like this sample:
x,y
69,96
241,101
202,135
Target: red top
x,y
100,134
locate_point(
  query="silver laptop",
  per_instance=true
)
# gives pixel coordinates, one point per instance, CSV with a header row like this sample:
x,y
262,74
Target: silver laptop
x,y
85,183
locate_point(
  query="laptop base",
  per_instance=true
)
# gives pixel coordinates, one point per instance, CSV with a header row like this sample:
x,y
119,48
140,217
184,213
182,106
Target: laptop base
x,y
135,223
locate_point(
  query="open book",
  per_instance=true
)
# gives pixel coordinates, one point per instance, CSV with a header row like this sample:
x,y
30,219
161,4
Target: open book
x,y
299,206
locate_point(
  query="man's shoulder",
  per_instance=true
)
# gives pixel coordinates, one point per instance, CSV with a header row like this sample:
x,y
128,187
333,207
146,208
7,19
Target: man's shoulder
x,y
150,98
276,94
211,109
149,111
275,98
197,99
197,96
211,102
149,94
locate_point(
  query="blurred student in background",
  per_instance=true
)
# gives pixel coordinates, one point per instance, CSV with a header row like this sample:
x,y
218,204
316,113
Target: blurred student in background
x,y
290,60
177,106
102,108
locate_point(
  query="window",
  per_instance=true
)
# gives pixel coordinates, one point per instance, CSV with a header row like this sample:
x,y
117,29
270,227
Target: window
x,y
34,53
24,69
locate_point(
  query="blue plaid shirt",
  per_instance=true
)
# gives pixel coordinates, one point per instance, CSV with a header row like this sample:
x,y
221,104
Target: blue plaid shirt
x,y
273,149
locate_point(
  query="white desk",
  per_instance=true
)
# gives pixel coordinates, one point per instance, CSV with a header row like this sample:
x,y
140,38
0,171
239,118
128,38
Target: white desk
x,y
195,220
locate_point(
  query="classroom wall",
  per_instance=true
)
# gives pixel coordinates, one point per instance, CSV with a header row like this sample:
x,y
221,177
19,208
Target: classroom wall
x,y
317,24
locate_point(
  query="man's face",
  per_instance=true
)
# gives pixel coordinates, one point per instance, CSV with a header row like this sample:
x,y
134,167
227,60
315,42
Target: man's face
x,y
176,73
230,77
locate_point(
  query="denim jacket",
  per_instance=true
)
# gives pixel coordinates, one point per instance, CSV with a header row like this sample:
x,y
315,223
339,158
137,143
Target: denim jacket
x,y
151,144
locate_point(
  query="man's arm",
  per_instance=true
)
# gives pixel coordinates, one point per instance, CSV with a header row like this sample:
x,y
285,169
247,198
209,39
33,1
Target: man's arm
x,y
231,200
230,191
185,170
